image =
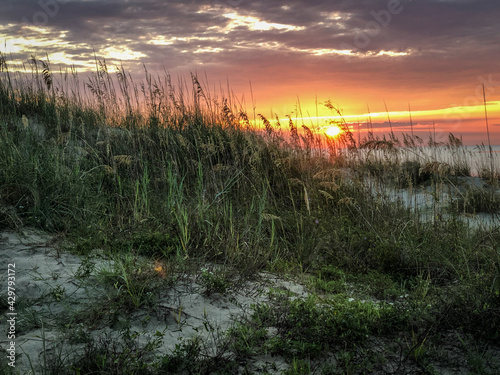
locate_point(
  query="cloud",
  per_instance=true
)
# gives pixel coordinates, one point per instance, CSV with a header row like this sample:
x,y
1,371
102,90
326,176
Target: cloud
x,y
297,27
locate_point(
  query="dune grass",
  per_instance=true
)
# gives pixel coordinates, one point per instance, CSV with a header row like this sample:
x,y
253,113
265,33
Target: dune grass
x,y
172,172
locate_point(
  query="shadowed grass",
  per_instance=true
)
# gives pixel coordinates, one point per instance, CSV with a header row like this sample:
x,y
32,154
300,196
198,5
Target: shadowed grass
x,y
140,168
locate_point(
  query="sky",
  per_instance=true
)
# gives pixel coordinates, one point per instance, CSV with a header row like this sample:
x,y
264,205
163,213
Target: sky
x,y
368,57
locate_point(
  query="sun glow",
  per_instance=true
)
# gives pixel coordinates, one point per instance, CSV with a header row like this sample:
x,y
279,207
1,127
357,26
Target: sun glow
x,y
333,131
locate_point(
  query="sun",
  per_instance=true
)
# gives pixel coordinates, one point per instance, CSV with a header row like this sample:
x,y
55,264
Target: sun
x,y
333,131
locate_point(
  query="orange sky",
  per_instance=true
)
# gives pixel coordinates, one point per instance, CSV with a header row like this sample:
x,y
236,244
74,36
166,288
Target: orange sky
x,y
433,55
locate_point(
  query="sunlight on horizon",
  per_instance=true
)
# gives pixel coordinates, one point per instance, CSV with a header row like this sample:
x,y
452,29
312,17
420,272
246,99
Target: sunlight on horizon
x,y
333,131
473,111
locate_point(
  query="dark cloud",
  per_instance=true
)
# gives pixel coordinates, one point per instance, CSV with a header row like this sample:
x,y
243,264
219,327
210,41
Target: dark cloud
x,y
430,28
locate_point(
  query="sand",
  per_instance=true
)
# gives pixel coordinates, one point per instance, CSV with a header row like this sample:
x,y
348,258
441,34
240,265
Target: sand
x,y
49,295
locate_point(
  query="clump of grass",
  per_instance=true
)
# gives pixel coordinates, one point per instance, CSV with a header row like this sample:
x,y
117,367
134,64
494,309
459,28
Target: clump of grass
x,y
313,327
133,280
191,356
107,356
144,171
486,174
413,174
475,200
214,281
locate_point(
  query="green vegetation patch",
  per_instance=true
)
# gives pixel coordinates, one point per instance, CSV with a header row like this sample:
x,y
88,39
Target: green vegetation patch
x,y
314,326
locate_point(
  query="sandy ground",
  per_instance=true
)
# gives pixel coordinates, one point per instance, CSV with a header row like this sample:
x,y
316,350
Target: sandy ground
x,y
48,295
432,202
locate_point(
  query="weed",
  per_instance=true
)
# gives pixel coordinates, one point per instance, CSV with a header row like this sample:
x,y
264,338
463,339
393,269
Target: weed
x,y
133,279
106,356
247,339
412,174
480,358
214,281
191,356
58,292
4,365
85,269
298,367
475,200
